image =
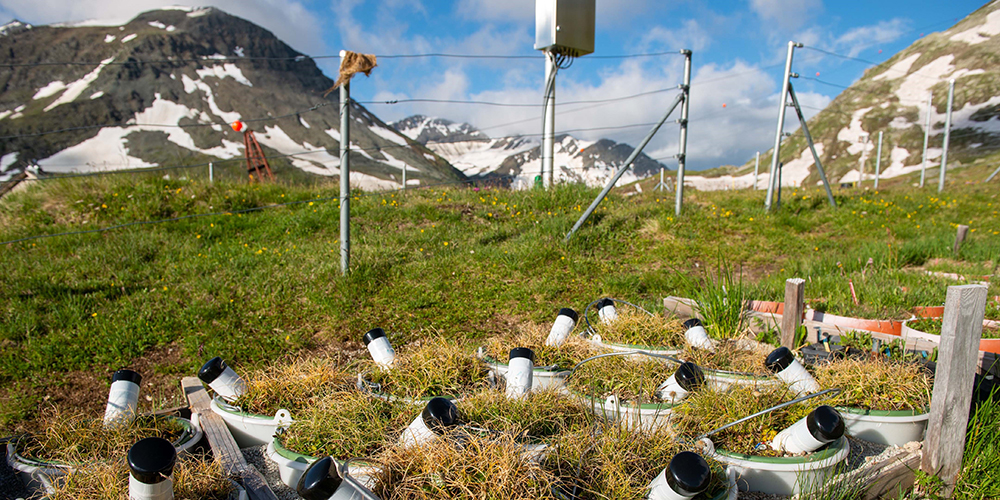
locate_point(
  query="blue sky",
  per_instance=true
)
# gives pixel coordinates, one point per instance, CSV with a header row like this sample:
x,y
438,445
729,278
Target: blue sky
x,y
739,50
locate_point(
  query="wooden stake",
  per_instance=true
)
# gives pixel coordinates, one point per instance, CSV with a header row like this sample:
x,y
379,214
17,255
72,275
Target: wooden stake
x,y
795,295
961,329
963,231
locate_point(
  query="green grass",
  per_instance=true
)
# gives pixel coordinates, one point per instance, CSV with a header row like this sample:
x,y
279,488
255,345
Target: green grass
x,y
448,262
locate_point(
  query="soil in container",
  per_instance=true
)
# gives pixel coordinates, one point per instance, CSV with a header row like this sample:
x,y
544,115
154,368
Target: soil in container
x,y
194,478
641,331
432,368
292,385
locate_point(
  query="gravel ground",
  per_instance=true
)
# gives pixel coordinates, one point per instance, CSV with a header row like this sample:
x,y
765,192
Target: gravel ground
x,y
256,457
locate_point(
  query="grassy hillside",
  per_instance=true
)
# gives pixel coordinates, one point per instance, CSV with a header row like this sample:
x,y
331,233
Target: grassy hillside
x,y
449,261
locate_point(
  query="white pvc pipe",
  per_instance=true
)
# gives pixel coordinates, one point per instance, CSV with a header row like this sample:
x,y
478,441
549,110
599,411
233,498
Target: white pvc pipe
x,y
687,475
783,364
521,364
151,465
606,311
822,426
123,398
696,335
379,347
561,328
222,379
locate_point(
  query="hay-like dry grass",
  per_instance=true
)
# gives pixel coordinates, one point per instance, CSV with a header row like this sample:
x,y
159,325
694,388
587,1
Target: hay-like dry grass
x,y
77,438
740,355
626,377
194,478
292,385
876,383
542,414
637,328
435,367
707,410
348,424
566,356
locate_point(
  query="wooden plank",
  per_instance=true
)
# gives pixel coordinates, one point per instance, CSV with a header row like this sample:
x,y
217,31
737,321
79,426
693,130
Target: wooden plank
x,y
224,447
961,329
963,231
795,294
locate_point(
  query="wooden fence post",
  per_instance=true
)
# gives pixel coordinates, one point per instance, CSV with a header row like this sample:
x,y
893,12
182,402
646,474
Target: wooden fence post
x,y
963,231
791,318
961,329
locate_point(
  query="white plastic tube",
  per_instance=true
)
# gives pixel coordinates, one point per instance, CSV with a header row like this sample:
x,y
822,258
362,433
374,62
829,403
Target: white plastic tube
x,y
783,364
222,379
823,425
151,464
561,328
379,347
123,398
688,378
687,475
321,481
606,311
696,335
521,364
435,419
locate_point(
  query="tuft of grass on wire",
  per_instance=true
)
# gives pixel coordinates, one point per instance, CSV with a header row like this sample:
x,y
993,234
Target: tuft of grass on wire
x,y
74,438
610,461
430,368
348,424
637,328
542,414
627,378
194,478
876,383
740,355
293,385
487,468
566,356
707,410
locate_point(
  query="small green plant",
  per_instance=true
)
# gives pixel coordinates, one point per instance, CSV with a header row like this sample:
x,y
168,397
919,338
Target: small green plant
x,y
861,341
722,301
981,459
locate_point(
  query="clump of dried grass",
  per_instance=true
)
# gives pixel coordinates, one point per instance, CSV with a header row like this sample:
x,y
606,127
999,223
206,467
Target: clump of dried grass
x,y
194,478
348,424
626,377
541,414
76,438
566,356
706,410
613,462
292,385
637,328
740,355
482,468
437,367
876,383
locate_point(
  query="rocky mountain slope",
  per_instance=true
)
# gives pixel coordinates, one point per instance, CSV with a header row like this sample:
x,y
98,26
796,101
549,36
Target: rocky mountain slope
x,y
892,98
516,160
165,89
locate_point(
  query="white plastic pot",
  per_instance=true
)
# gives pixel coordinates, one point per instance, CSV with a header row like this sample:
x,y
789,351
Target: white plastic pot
x,y
597,341
885,427
782,475
292,465
250,429
647,416
541,377
39,476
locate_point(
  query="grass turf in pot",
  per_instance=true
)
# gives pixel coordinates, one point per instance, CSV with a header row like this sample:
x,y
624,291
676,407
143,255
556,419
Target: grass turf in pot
x,y
732,362
195,478
625,389
434,368
634,330
552,364
881,400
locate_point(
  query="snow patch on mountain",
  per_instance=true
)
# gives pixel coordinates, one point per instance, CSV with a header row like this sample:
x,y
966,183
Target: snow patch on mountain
x,y
129,38
477,157
73,90
222,71
49,90
980,33
898,70
854,132
109,38
388,135
191,85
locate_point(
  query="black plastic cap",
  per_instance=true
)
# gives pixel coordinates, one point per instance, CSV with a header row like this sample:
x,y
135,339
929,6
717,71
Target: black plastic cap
x,y
126,375
211,370
320,481
439,414
688,474
601,304
825,424
151,460
691,323
689,376
779,359
522,352
569,313
373,334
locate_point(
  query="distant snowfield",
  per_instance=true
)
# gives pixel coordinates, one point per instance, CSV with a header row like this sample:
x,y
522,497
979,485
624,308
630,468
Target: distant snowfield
x,y
477,157
982,32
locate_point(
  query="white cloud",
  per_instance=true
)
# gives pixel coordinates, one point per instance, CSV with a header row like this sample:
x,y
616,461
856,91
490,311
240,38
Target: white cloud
x,y
858,39
691,36
788,14
608,13
291,21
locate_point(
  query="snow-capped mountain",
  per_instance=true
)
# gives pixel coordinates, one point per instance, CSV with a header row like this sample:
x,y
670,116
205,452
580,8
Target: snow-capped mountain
x,y
163,88
516,160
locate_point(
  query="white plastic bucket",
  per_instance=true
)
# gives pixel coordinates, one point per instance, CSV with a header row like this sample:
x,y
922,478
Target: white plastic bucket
x,y
783,475
250,429
633,416
885,427
292,465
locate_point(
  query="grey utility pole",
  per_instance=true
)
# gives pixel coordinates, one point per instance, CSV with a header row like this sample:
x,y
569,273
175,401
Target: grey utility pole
x,y
682,156
947,134
783,103
549,119
756,169
345,173
927,134
812,147
878,160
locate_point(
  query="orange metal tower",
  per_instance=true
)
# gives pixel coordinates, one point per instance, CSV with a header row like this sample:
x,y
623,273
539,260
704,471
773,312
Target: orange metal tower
x,y
256,162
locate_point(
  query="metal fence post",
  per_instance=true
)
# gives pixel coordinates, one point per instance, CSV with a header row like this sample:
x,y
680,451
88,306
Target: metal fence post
x,y
782,106
878,161
927,134
947,134
345,174
211,172
682,156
